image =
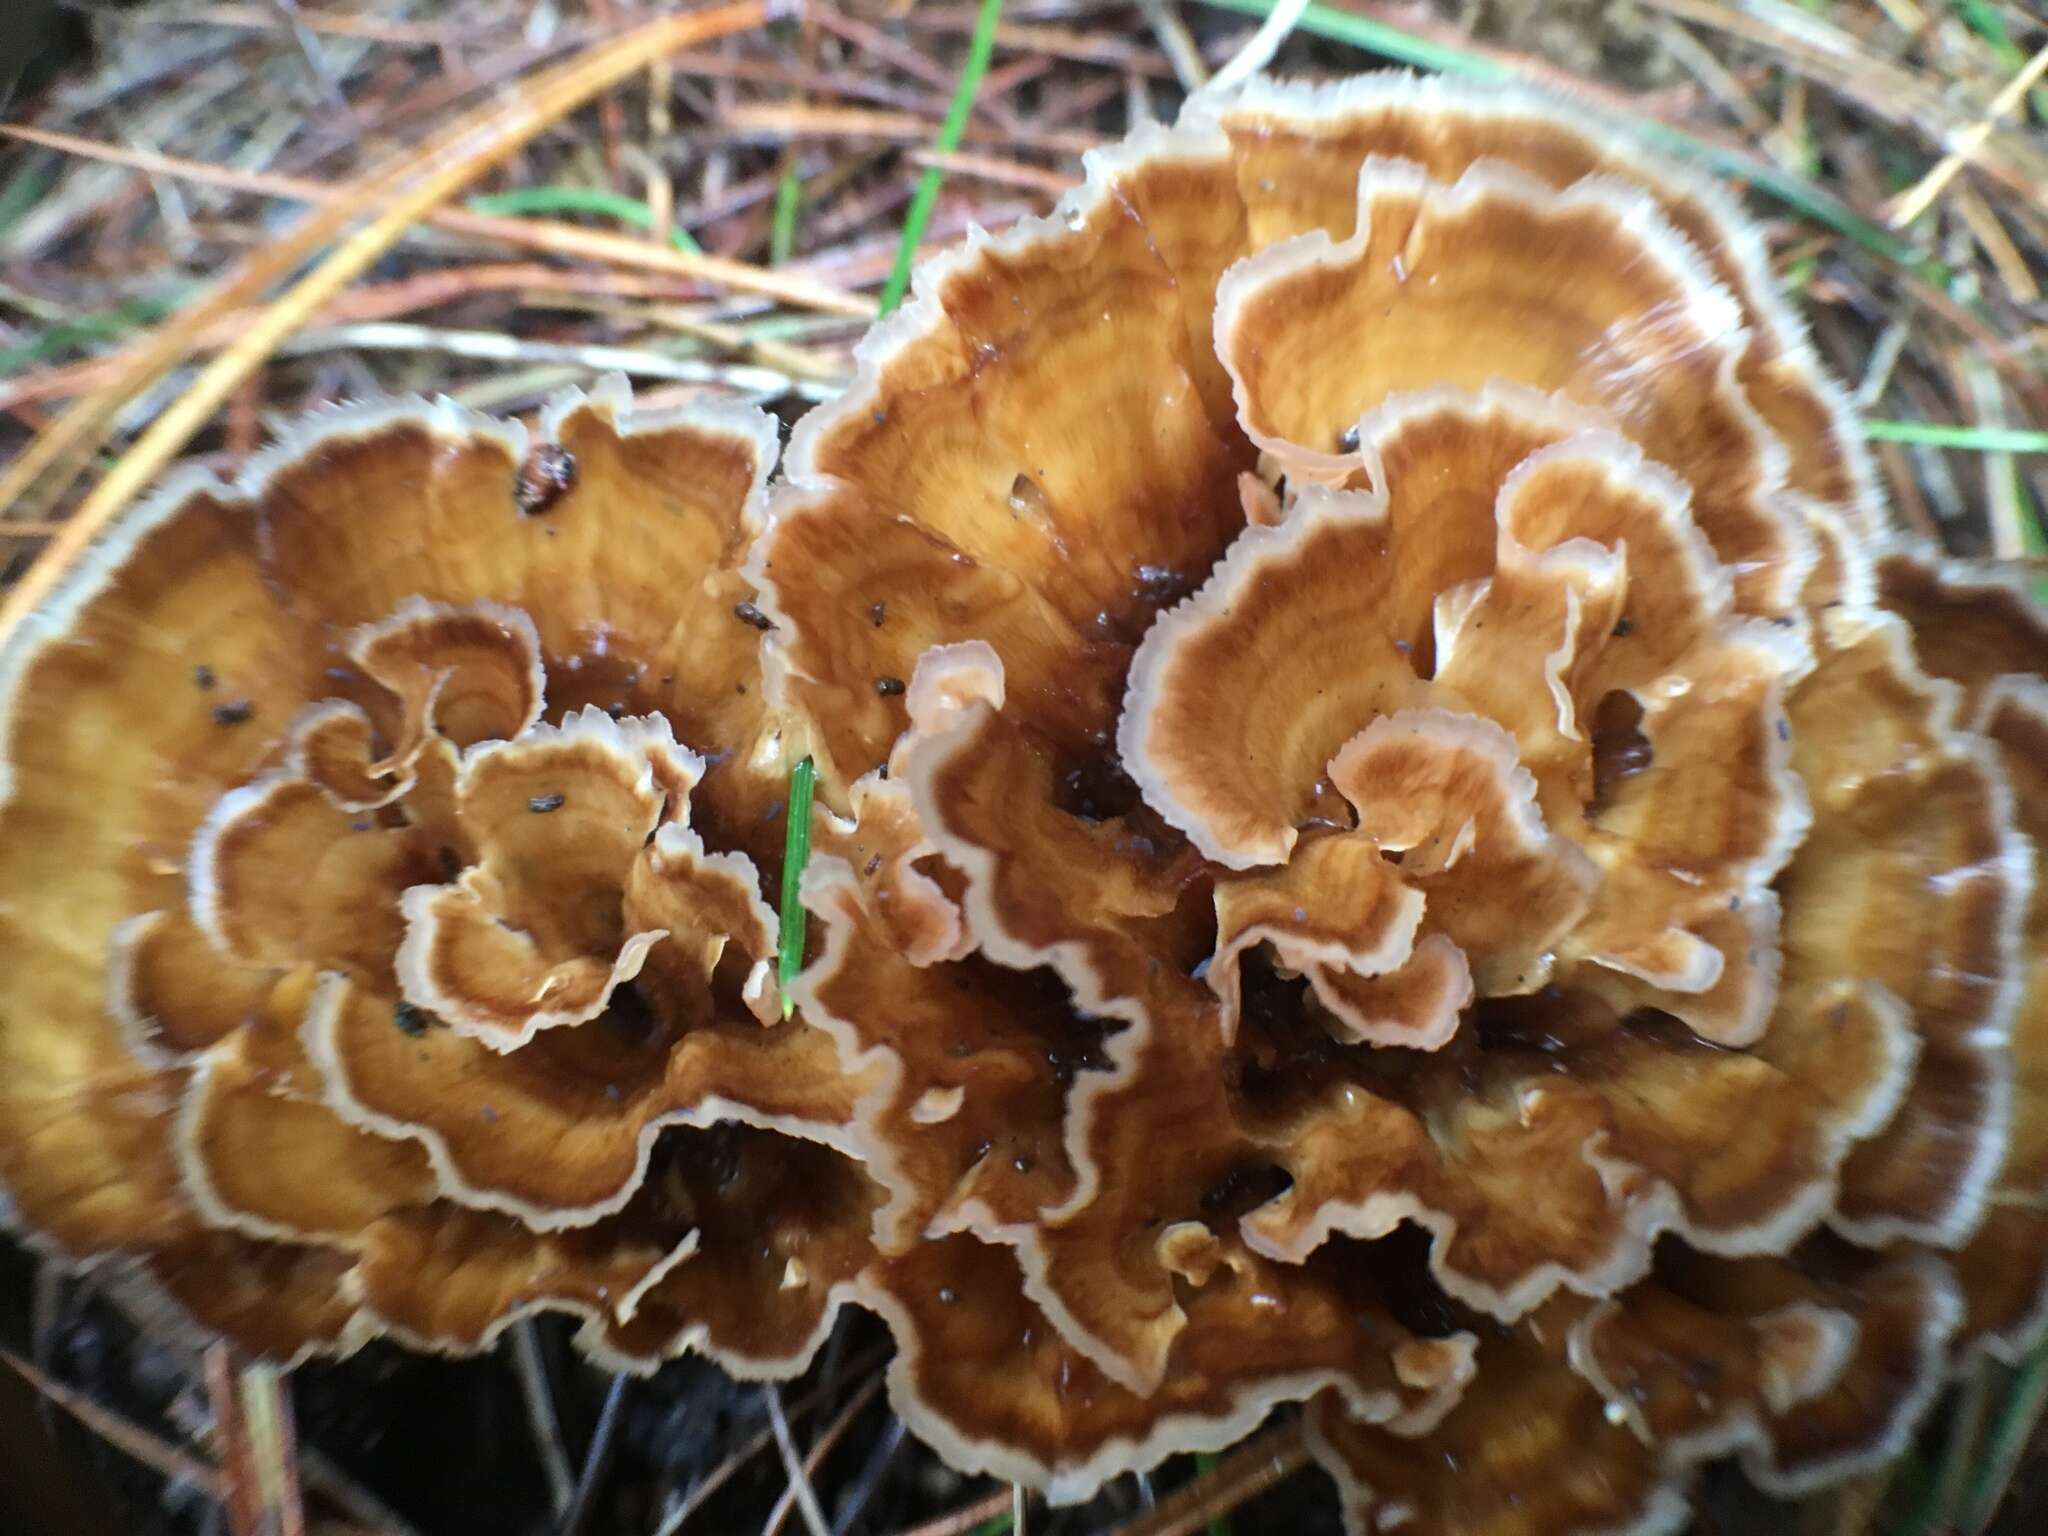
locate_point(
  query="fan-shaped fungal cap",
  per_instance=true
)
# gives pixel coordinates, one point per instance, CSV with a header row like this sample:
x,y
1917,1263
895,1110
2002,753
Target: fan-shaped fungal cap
x,y
1443,635
358,870
1324,833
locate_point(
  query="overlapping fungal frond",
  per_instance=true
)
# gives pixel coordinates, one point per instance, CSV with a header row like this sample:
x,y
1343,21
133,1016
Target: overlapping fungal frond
x,y
1413,745
408,836
1392,836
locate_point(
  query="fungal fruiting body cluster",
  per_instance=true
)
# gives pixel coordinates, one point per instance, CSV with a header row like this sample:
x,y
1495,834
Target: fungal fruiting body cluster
x,y
1394,833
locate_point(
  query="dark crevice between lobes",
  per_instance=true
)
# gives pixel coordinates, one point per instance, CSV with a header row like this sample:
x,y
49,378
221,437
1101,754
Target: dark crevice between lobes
x,y
1620,749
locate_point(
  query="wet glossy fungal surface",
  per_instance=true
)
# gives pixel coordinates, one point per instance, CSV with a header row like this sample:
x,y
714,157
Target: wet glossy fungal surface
x,y
1394,834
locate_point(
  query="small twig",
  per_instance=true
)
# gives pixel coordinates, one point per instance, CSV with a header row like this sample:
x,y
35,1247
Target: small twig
x,y
1011,173
149,1449
323,78
1965,145
495,346
357,1501
719,1475
799,1480
239,1478
540,1414
855,1499
962,1520
820,1448
1163,17
1259,49
401,193
597,1462
1246,1472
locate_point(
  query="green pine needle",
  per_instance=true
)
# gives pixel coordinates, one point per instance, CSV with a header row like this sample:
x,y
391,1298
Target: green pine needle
x,y
102,325
1938,435
782,235
927,195
1205,1463
611,205
2005,1446
796,853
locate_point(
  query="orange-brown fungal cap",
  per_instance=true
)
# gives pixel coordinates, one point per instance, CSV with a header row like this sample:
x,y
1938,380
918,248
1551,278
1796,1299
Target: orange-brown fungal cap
x,y
986,1377
1978,629
1299,148
1593,1416
1611,307
295,702
1321,834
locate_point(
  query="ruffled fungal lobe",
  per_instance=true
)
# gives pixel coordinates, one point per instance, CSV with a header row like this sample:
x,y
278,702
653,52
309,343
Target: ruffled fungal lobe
x,y
1448,766
365,769
1361,728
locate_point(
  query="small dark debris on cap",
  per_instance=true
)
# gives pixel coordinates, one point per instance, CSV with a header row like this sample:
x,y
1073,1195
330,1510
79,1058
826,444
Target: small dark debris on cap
x,y
876,613
233,714
889,687
203,678
411,1020
1623,626
547,475
540,805
747,613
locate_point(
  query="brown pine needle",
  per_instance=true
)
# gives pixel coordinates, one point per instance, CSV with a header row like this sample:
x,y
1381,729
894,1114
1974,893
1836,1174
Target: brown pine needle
x,y
549,235
798,1472
1243,1475
989,168
130,1439
962,1520
240,1480
420,181
1966,145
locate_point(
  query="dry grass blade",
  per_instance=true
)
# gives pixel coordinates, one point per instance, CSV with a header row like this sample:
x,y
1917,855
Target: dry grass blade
x,y
1239,1477
548,235
421,180
1920,198
962,1520
830,1436
721,1474
798,1473
540,1413
131,1439
240,1479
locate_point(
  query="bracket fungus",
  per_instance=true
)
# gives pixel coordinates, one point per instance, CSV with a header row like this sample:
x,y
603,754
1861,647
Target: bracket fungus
x,y
1394,833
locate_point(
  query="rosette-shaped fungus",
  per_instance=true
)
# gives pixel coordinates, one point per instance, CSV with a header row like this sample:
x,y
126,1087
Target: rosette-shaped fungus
x,y
383,902
1378,757
1393,835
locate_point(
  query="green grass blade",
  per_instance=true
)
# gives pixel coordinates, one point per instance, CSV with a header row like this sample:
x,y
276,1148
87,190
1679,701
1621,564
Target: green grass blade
x,y
782,235
1939,435
796,853
22,194
2007,1443
927,195
1205,1463
102,325
554,200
